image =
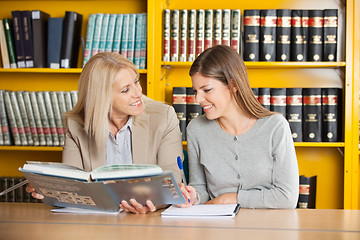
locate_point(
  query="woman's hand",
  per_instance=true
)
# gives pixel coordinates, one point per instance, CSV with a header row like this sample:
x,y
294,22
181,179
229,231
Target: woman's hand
x,y
226,198
33,193
190,195
137,208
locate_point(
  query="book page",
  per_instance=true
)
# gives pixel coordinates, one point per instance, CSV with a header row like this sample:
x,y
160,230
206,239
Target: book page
x,y
125,171
214,210
81,211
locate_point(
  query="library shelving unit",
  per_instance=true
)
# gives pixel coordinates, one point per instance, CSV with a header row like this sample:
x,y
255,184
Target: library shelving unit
x,y
45,79
335,164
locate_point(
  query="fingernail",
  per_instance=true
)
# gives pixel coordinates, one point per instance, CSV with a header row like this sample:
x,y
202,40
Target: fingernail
x,y
189,200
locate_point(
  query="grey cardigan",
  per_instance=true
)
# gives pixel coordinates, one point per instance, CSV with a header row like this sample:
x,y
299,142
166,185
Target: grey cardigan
x,y
260,165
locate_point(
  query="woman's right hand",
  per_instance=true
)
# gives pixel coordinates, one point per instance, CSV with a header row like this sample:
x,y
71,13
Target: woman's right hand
x,y
189,194
33,192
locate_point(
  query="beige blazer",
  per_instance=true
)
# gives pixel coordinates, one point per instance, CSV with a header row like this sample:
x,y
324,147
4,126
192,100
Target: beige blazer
x,y
156,139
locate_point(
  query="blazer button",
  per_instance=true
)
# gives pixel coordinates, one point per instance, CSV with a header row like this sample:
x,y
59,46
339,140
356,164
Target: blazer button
x,y
236,157
235,138
238,176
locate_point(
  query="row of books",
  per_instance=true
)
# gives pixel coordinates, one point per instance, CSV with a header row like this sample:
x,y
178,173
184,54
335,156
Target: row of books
x,y
269,34
187,33
17,195
121,33
34,118
34,39
312,113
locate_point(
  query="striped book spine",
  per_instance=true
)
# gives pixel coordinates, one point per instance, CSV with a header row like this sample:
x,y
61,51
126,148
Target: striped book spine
x,y
118,33
125,35
110,33
97,33
89,38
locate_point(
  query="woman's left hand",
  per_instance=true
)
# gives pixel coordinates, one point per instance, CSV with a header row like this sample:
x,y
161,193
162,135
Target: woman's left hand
x,y
226,198
137,208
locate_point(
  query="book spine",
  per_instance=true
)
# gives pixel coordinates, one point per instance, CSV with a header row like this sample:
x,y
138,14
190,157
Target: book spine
x,y
278,100
283,35
125,35
37,118
330,34
61,101
57,117
89,38
76,41
330,114
143,51
225,36
200,25
193,109
236,30
74,98
316,32
97,33
208,29
11,117
18,119
67,39
3,46
265,97
44,118
55,26
256,92
307,192
217,27
24,117
268,23
131,37
28,38
3,120
191,53
110,33
30,115
18,192
305,32
117,34
179,104
138,39
294,102
166,35
51,118
68,103
103,33
251,35
40,32
183,35
10,42
297,41
18,39
174,35
4,185
312,115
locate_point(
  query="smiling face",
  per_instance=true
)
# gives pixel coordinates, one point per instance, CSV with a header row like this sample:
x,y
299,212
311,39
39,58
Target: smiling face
x,y
214,96
126,95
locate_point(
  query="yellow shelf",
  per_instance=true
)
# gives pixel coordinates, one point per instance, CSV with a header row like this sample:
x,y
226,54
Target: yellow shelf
x,y
48,70
272,65
30,148
309,144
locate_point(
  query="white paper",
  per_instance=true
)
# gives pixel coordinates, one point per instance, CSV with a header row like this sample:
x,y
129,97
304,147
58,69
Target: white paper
x,y
81,211
217,210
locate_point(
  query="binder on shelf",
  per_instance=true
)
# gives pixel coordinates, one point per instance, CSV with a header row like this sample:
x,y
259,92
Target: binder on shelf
x,y
40,35
55,26
28,38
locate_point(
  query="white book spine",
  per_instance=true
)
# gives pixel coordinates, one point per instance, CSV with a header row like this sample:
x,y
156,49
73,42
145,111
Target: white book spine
x,y
191,35
235,30
30,114
131,37
3,46
74,98
57,117
183,35
104,30
174,36
89,38
208,38
117,33
51,118
12,120
37,118
125,35
143,42
19,122
68,103
166,36
110,33
225,38
24,117
200,25
138,39
217,29
97,33
44,118
4,124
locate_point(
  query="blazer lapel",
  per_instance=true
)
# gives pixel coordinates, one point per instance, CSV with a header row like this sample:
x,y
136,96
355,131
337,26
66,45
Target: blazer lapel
x,y
140,138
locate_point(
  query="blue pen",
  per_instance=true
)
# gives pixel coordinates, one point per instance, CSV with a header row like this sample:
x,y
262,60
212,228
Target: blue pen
x,y
183,179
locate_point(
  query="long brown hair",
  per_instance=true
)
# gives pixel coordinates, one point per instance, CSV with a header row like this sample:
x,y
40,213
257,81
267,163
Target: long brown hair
x,y
226,65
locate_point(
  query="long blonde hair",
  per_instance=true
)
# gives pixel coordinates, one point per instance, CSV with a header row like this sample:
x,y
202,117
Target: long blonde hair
x,y
95,94
225,64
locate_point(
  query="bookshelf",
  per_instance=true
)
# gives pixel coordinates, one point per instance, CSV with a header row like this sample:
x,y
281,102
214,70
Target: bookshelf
x,y
335,164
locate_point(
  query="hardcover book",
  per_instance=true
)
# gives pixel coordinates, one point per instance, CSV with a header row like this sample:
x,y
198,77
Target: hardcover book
x,y
330,114
117,33
235,32
9,42
307,192
18,39
51,118
125,35
24,117
265,97
55,26
312,124
4,124
316,32
208,29
143,48
193,109
40,35
299,35
4,48
11,117
183,35
191,52
166,36
268,22
200,25
37,118
217,29
179,104
103,33
251,35
18,118
28,38
31,118
174,35
330,34
131,37
97,34
89,37
44,118
283,35
294,102
278,100
225,36
103,188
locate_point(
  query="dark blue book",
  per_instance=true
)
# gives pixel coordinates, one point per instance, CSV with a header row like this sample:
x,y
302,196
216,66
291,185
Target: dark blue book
x,y
18,39
55,29
40,27
28,38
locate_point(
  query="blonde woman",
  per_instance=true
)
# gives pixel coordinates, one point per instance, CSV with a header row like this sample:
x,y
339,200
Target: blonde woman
x,y
239,152
114,123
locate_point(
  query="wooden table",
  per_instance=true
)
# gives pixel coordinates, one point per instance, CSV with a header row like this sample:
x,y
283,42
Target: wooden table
x,y
35,221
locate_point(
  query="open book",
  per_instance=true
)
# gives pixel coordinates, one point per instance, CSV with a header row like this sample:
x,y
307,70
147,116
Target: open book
x,y
204,211
104,188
